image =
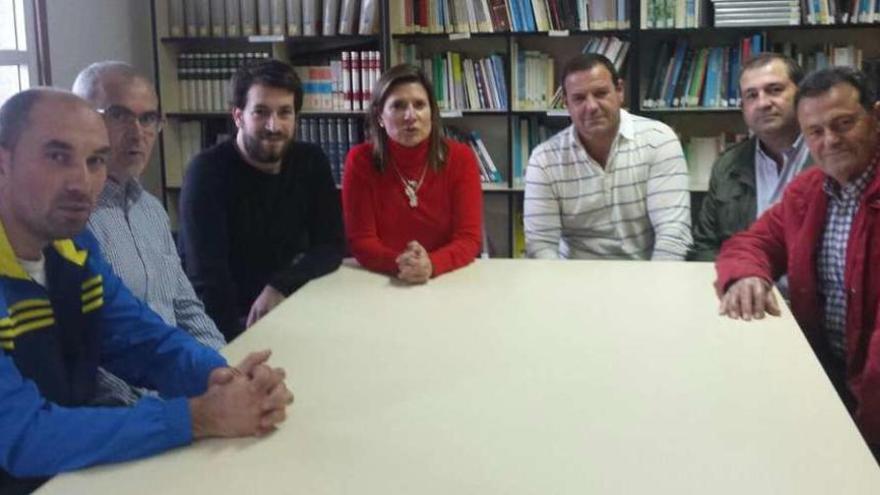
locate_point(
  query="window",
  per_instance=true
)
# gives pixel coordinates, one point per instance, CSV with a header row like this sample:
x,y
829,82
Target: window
x,y
18,47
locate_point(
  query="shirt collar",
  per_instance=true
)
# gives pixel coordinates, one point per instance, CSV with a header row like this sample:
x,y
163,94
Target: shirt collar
x,y
852,190
789,154
10,267
625,129
116,194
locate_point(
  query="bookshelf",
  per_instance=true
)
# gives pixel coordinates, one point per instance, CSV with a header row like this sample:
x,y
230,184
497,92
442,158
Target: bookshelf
x,y
508,127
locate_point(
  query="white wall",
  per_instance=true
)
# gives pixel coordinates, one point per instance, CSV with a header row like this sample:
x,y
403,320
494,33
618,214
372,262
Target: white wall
x,y
86,31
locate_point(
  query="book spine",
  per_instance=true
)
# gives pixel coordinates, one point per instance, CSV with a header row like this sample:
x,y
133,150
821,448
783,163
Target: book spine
x,y
176,19
294,17
233,18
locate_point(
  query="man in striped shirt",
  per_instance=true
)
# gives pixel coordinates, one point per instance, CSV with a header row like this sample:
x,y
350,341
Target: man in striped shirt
x,y
610,186
129,222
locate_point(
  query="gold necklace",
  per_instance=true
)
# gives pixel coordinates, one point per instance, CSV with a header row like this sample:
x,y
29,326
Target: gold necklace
x,y
411,187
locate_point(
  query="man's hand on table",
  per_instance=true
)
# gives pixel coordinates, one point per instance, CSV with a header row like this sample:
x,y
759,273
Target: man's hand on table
x,y
248,400
749,298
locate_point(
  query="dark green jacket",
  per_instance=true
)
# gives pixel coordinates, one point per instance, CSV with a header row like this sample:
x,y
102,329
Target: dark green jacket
x,y
731,203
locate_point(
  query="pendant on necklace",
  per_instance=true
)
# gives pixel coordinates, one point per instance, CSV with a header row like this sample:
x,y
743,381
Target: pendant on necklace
x,y
411,194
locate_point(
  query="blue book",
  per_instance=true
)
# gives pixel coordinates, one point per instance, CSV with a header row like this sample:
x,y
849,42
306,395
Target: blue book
x,y
710,93
757,44
680,50
711,74
733,81
498,73
529,16
515,16
521,75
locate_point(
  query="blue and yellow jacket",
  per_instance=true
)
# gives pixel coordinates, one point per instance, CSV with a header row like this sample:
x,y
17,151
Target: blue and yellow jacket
x,y
51,342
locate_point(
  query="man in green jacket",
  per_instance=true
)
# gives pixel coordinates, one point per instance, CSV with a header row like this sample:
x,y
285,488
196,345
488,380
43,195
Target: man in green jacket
x,y
750,176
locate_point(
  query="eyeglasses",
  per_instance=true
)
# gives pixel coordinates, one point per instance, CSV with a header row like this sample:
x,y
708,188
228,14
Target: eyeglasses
x,y
150,121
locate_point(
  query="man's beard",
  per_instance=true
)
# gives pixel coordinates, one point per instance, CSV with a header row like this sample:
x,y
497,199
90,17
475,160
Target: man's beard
x,y
255,150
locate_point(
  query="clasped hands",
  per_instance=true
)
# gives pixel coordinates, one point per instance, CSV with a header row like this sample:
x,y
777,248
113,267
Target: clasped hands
x,y
748,298
250,399
414,264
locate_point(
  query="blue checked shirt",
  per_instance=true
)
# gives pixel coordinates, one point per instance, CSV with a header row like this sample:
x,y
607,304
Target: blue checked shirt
x,y
843,202
135,238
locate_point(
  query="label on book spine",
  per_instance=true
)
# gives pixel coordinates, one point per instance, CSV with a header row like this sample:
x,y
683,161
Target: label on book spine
x,y
268,38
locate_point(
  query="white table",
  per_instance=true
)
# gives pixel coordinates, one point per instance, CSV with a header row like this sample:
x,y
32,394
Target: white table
x,y
525,377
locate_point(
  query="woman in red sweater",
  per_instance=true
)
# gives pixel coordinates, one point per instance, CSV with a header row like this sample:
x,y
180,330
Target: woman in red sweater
x,y
411,198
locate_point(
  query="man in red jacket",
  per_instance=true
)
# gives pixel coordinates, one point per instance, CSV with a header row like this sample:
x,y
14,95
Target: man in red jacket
x,y
825,233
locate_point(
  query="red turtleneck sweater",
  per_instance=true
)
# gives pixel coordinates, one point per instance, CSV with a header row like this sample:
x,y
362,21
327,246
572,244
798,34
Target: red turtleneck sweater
x,y
379,221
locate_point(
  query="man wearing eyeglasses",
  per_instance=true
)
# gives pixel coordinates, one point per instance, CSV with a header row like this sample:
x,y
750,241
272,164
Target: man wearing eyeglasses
x,y
129,222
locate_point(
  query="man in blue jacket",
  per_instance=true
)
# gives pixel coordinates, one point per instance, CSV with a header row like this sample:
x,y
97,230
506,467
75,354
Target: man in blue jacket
x,y
63,312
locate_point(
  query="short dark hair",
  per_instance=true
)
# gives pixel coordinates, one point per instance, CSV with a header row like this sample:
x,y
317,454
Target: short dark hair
x,y
794,71
269,72
391,79
586,61
15,115
821,81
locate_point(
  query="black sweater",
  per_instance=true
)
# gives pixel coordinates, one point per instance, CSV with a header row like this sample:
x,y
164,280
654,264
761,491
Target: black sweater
x,y
242,229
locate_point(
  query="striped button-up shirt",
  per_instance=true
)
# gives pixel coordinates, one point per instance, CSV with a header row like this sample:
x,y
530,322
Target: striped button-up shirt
x,y
636,207
843,202
135,238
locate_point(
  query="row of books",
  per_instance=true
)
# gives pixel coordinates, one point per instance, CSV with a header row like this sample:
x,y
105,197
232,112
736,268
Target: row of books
x,y
486,16
489,173
668,14
462,83
840,11
335,135
534,82
341,84
528,132
673,14
234,18
739,13
706,77
189,143
203,78
823,56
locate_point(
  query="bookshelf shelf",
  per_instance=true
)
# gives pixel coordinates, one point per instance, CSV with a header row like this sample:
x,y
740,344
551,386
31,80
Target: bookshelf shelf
x,y
691,111
197,115
739,30
496,188
458,114
333,113
304,113
562,34
466,36
260,39
560,113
